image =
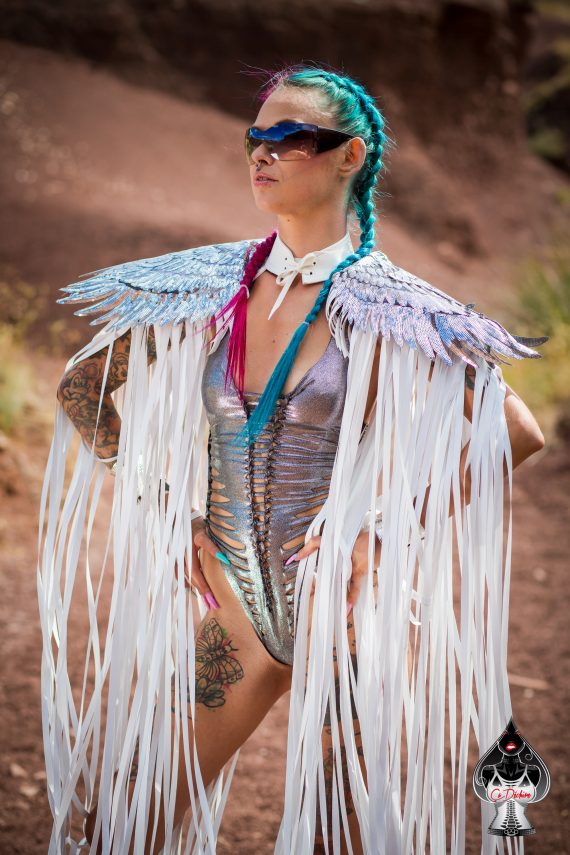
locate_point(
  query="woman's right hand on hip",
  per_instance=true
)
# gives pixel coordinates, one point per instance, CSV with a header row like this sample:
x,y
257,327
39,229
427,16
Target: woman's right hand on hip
x,y
196,581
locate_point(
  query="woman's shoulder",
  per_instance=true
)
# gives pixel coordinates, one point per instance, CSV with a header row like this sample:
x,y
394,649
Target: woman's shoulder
x,y
377,278
165,271
376,294
185,284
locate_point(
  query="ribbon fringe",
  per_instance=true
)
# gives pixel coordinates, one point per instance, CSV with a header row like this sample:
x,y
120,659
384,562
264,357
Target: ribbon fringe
x,y
443,598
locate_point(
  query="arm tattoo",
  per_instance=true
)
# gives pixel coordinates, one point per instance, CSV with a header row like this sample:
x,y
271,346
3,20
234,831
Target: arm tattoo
x,y
151,346
79,392
470,377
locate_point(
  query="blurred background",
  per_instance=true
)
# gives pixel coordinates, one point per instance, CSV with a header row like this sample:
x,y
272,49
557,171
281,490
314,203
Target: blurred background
x,y
121,137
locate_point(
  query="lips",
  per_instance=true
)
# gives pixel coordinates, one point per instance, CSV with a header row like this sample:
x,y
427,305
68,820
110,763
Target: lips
x,y
261,178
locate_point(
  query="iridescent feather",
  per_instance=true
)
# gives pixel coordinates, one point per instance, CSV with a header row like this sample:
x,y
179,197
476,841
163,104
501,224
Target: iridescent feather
x,y
191,284
374,293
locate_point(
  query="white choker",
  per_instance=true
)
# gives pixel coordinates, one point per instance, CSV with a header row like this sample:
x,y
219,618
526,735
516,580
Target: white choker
x,y
314,267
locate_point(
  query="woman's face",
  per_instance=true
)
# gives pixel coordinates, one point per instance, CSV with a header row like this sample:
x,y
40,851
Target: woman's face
x,y
300,187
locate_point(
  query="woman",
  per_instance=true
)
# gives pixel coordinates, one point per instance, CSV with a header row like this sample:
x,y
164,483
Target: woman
x,y
356,438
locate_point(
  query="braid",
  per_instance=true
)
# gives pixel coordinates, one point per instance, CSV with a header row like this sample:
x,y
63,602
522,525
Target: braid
x,y
236,308
357,114
366,180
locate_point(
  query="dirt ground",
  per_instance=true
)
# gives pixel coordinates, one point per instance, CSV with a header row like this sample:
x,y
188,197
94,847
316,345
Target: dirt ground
x,y
76,198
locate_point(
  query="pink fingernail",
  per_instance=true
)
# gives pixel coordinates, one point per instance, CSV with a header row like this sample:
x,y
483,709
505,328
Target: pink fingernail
x,y
291,558
348,608
211,601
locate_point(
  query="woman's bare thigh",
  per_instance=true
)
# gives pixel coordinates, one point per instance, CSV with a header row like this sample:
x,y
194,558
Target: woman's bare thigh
x,y
237,680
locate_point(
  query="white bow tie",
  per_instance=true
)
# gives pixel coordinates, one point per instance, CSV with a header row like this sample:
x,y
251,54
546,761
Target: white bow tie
x,y
314,266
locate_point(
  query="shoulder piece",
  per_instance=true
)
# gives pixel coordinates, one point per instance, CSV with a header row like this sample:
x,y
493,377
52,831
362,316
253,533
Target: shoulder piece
x,y
374,293
191,284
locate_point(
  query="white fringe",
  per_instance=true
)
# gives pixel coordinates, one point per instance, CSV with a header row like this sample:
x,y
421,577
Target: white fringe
x,y
92,724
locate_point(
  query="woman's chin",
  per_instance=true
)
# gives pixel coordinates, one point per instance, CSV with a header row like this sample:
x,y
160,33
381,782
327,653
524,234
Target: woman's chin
x,y
267,207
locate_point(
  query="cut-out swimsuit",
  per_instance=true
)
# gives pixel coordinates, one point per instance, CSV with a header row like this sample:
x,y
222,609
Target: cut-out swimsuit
x,y
262,497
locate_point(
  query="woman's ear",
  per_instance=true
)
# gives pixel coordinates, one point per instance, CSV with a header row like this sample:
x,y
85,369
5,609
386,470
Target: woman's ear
x,y
354,157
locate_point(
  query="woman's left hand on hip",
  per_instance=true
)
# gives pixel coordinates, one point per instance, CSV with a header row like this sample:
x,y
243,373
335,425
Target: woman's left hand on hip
x,y
359,563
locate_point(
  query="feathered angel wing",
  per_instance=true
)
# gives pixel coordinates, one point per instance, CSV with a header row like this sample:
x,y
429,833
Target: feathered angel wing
x,y
191,284
372,293
376,294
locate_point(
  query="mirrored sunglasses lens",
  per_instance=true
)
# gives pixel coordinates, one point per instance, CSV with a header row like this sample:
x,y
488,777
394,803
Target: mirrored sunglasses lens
x,y
297,146
250,146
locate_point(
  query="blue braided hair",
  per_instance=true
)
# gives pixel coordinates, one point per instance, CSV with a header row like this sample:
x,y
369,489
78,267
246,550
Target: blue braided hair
x,y
355,112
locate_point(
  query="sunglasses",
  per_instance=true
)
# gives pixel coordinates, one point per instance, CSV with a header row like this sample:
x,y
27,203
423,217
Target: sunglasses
x,y
294,140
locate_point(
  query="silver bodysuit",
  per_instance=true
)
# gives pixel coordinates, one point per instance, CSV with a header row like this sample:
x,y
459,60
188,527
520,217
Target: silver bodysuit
x,y
262,497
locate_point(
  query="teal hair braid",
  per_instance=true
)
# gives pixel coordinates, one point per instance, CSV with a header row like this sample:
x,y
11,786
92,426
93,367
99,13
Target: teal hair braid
x,y
356,113
375,138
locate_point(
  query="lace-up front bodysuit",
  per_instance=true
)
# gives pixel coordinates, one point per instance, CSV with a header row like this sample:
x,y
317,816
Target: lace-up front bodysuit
x,y
263,497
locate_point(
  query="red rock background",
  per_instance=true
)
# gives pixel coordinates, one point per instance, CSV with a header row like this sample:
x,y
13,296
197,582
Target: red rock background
x,y
121,137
